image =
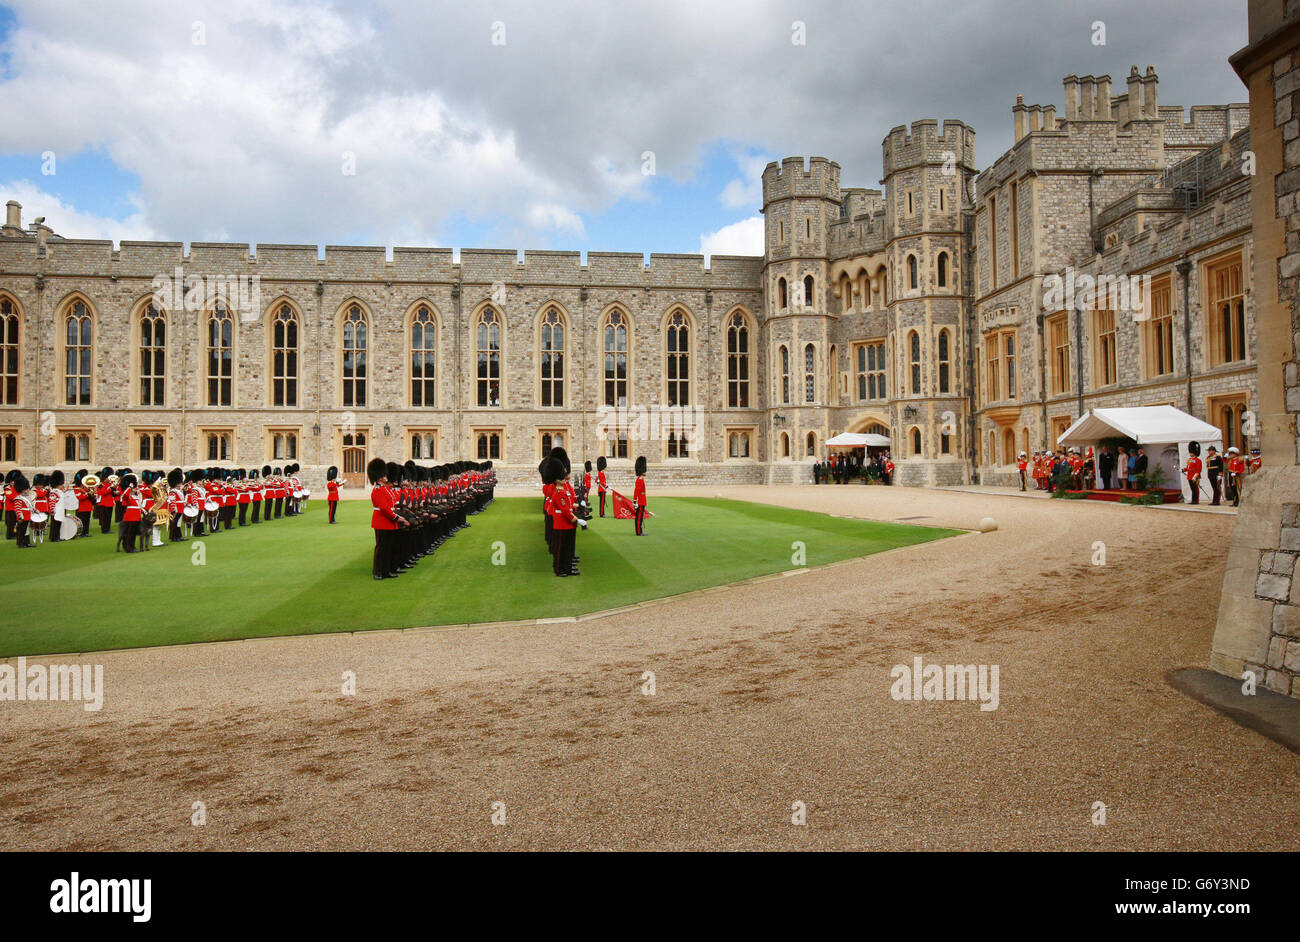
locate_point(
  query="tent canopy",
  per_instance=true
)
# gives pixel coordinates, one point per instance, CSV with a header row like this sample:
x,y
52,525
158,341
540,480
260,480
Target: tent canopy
x,y
1146,425
858,440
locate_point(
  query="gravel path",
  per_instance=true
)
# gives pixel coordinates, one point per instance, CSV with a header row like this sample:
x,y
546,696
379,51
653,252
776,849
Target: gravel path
x,y
765,695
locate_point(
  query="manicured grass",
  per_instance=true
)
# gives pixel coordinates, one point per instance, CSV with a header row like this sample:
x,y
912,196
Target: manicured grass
x,y
299,575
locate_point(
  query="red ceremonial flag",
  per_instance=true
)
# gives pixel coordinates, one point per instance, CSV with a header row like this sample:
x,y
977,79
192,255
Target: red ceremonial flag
x,y
623,509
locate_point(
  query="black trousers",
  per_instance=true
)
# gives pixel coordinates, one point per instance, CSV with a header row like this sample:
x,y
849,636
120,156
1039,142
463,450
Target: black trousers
x,y
128,531
640,520
1214,486
257,510
174,528
105,518
243,515
564,542
333,507
22,530
228,514
279,506
84,517
11,524
383,559
1196,490
602,503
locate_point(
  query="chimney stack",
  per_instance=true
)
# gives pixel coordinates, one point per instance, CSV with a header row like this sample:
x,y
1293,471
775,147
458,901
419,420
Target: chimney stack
x,y
1049,117
1150,101
1134,94
1087,94
1071,98
1035,118
1102,109
13,215
1018,115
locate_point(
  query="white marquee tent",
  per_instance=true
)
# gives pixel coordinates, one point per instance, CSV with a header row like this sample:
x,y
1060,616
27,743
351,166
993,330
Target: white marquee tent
x,y
858,440
1162,431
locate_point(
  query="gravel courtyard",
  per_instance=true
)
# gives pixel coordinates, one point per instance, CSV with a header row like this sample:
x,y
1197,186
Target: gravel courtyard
x,y
766,694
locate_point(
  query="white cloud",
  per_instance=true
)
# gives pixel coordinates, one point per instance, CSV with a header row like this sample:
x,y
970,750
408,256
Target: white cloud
x,y
739,238
243,137
66,220
746,191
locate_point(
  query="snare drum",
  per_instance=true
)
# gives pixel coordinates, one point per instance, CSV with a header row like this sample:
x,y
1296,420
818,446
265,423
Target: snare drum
x,y
190,511
306,493
39,518
211,506
297,495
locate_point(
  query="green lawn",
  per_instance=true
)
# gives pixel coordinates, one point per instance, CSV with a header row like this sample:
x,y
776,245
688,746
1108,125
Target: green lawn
x,y
298,575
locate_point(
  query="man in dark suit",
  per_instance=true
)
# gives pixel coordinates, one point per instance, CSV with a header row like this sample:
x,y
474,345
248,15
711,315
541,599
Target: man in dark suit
x,y
1105,468
1141,468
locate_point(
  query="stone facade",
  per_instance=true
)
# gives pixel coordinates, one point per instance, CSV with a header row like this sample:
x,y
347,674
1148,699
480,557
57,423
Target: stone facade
x,y
1258,628
1119,186
870,310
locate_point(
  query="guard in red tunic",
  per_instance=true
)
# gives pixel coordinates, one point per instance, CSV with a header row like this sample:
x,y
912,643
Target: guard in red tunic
x,y
85,498
1022,465
1236,468
23,507
11,504
383,520
638,495
104,500
132,511
565,520
332,484
1193,470
601,483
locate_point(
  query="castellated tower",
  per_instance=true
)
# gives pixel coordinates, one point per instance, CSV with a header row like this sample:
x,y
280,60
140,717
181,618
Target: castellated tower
x,y
929,173
799,204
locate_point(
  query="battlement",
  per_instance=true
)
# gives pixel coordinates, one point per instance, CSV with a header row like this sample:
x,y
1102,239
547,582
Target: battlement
x,y
792,177
928,143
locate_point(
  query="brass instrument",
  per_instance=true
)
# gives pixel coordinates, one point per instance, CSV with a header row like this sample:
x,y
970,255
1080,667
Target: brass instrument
x,y
90,480
161,514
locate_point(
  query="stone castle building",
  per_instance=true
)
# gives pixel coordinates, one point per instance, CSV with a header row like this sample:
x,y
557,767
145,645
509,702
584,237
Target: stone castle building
x,y
915,311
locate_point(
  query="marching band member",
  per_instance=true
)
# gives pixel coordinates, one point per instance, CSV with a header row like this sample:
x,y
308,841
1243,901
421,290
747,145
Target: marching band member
x,y
24,507
104,499
41,507
85,498
11,503
57,511
243,494
333,484
256,497
132,510
175,504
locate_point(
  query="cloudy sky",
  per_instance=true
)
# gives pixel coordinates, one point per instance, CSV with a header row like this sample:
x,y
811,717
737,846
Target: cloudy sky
x,y
531,124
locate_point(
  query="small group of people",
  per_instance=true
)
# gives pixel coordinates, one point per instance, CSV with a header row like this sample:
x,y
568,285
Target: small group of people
x,y
418,508
142,506
841,469
566,506
1126,469
1226,472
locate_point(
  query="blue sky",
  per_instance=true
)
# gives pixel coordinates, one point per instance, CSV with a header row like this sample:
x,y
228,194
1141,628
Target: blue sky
x,y
227,119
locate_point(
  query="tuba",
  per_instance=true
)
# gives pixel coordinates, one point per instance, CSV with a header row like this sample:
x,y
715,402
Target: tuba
x,y
162,516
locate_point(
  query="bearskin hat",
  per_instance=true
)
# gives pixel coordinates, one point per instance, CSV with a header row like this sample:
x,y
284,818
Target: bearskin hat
x,y
601,463
560,453
19,481
39,480
394,472
586,466
376,470
175,476
266,470
541,469
56,478
12,475
104,472
76,478
1193,448
127,480
332,473
640,465
553,471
